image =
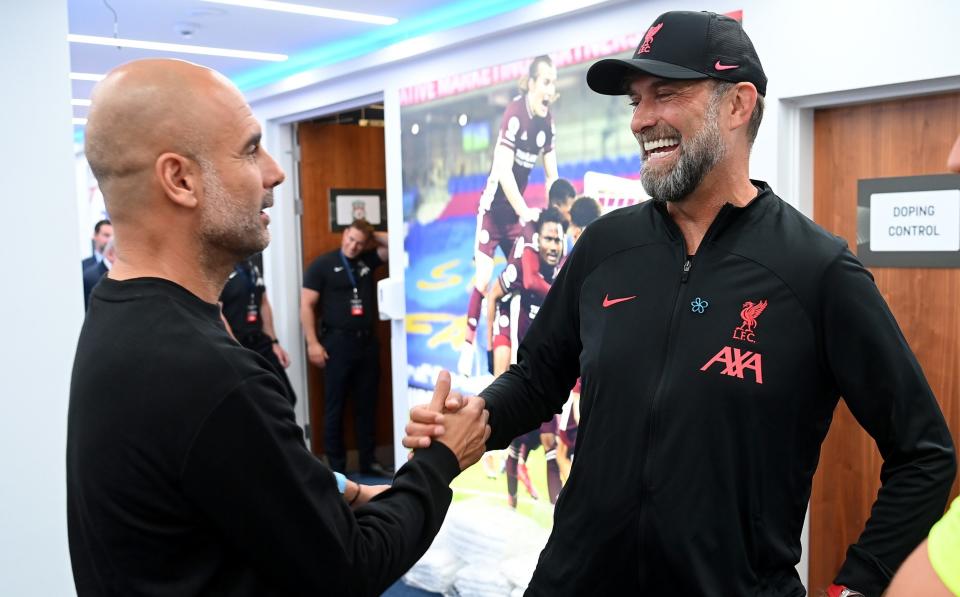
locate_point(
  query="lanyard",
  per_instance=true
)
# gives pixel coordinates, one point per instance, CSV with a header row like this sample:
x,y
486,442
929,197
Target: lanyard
x,y
349,270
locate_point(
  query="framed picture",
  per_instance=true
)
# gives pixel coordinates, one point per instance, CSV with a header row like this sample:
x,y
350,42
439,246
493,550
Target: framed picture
x,y
347,205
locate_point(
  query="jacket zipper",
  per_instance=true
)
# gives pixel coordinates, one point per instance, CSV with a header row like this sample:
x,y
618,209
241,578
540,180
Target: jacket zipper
x,y
645,477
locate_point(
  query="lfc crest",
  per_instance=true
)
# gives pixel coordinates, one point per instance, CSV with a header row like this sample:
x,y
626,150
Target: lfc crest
x,y
749,315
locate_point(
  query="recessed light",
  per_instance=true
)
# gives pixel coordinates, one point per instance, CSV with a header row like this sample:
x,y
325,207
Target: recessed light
x,y
179,48
415,129
80,102
86,77
314,11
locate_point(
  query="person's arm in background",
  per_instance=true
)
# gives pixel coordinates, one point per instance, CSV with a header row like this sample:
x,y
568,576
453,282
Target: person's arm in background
x,y
882,383
381,243
316,353
933,569
266,315
532,280
918,578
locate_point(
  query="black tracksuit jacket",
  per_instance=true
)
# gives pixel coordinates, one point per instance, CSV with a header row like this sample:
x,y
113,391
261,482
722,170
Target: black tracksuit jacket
x,y
701,431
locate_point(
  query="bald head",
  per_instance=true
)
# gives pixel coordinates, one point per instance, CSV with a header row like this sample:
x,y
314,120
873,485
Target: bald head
x,y
149,107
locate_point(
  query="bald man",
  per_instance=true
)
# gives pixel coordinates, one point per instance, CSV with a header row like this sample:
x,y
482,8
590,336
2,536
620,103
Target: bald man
x,y
189,475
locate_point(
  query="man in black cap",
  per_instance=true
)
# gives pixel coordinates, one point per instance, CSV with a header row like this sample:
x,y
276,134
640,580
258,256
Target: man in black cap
x,y
715,328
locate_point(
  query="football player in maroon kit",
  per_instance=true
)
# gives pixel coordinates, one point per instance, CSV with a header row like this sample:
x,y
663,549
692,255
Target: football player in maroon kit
x,y
523,285
526,132
583,212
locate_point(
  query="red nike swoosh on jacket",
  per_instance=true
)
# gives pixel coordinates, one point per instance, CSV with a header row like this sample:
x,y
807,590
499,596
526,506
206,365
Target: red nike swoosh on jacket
x,y
608,302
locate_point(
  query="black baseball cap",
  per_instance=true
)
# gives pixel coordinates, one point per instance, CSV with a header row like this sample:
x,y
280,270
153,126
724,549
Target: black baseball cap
x,y
685,45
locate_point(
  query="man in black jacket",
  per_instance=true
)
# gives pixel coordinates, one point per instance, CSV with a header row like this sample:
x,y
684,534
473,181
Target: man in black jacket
x,y
186,471
715,329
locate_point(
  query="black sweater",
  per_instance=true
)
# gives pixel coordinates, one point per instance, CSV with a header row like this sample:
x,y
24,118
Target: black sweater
x,y
188,475
708,387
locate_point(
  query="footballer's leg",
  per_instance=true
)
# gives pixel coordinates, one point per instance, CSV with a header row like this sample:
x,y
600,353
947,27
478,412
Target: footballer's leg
x,y
548,438
528,442
488,238
511,468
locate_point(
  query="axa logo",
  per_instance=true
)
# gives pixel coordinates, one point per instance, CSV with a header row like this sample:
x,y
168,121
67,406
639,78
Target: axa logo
x,y
749,314
648,39
736,362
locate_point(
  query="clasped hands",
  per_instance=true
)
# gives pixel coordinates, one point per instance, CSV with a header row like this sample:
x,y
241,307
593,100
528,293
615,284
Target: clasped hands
x,y
458,422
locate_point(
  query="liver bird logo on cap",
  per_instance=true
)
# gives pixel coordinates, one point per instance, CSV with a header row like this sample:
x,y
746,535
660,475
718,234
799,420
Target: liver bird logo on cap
x,y
648,38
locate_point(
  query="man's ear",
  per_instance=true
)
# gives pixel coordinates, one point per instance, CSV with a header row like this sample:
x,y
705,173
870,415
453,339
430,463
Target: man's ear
x,y
179,177
743,100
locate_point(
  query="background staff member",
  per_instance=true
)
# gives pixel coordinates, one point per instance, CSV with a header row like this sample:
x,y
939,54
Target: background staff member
x,y
249,318
338,310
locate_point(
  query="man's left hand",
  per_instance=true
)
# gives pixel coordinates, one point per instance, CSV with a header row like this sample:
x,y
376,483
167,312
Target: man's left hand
x,y
282,355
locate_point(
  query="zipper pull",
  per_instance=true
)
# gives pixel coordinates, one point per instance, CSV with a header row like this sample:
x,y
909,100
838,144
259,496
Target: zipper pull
x,y
686,271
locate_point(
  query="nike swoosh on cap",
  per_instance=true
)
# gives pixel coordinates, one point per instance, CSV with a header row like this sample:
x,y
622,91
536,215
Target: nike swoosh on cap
x,y
608,302
719,66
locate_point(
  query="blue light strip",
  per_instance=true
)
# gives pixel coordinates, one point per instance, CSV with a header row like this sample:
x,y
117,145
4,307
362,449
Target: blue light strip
x,y
447,17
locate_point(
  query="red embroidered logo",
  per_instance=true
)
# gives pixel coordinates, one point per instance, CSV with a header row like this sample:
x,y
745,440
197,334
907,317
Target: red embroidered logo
x,y
648,38
719,66
609,302
736,362
749,315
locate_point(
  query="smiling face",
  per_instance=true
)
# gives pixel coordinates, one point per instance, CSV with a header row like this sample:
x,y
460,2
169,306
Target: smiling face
x,y
676,123
542,89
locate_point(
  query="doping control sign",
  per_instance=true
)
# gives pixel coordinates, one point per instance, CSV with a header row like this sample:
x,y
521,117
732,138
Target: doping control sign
x,y
911,221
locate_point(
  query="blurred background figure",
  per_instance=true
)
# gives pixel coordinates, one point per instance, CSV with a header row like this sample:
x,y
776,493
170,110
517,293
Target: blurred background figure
x,y
98,268
102,233
249,318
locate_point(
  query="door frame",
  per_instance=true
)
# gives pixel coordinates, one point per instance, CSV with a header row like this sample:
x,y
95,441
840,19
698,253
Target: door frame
x,y
286,244
795,145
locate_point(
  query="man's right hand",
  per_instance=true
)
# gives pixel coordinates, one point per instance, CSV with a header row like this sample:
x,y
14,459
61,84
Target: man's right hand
x,y
317,355
458,422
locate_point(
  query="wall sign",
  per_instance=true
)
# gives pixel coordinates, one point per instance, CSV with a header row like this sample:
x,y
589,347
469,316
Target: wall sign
x,y
347,205
911,221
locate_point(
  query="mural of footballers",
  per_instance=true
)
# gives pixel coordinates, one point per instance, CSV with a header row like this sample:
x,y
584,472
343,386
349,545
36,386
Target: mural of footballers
x,y
458,146
512,305
526,133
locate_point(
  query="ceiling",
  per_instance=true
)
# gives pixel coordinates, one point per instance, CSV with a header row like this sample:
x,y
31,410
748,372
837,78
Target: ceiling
x,y
309,41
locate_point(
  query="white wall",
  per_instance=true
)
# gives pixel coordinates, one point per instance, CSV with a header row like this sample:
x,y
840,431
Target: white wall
x,y
815,53
42,300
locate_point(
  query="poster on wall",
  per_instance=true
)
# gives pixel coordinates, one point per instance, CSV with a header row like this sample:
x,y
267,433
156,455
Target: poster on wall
x,y
481,151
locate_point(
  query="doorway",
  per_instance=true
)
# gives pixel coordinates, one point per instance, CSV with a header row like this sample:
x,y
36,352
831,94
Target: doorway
x,y
901,137
344,150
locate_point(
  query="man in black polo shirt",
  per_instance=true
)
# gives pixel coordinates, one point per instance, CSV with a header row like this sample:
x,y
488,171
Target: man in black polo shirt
x,y
249,318
338,311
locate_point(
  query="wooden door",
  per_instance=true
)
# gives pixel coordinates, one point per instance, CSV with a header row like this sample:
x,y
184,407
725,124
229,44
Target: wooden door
x,y
342,156
892,138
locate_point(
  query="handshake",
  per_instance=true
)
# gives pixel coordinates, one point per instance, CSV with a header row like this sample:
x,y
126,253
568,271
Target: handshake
x,y
458,422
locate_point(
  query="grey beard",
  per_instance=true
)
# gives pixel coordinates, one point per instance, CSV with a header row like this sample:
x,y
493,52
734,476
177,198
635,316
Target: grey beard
x,y
697,158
